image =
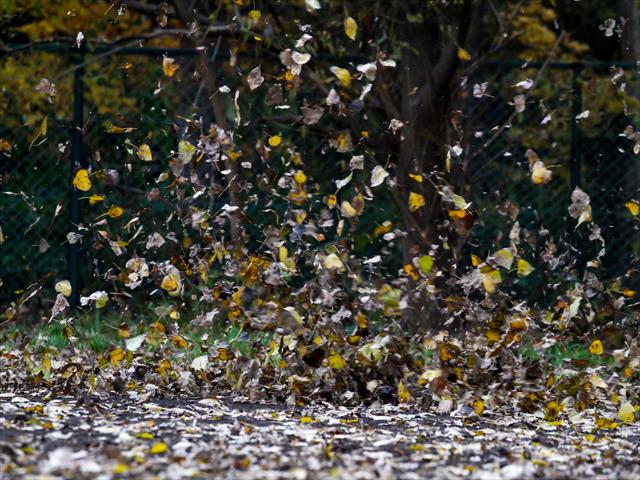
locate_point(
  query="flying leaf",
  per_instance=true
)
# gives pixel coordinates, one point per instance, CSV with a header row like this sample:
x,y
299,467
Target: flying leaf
x,y
490,280
158,448
312,5
425,263
333,262
81,180
255,78
524,268
596,348
504,258
64,287
186,150
415,201
169,66
144,153
464,55
116,356
342,74
540,174
633,207
134,343
115,212
336,361
275,140
378,175
350,28
626,413
404,396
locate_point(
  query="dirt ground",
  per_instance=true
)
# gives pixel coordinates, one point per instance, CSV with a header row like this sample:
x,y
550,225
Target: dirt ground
x,y
223,437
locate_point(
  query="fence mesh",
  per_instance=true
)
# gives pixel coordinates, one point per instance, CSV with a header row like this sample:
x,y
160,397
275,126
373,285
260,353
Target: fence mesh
x,y
128,89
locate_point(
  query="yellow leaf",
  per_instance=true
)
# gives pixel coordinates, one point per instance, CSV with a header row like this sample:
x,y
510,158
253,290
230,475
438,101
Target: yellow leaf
x,y
347,210
493,335
64,287
504,258
425,263
81,180
180,342
552,411
463,55
458,214
626,413
417,178
524,268
336,361
633,207
385,227
342,74
331,201
116,356
93,199
596,348
404,396
43,127
169,66
475,260
115,212
362,320
115,129
275,140
225,354
159,447
540,174
144,153
478,406
255,15
170,282
490,280
307,420
415,201
300,177
120,469
411,272
350,28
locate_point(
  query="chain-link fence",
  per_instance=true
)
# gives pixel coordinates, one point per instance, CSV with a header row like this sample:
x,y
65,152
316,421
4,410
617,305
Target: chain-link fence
x,y
580,120
99,93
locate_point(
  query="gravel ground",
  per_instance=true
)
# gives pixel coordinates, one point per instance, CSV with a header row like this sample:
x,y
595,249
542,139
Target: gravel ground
x,y
223,437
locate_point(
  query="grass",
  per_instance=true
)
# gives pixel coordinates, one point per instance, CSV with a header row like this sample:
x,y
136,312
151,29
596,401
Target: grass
x,y
563,352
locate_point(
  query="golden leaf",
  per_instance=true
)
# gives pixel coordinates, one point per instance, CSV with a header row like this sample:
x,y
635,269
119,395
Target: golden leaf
x,y
336,361
350,28
342,74
524,268
180,342
159,447
169,66
144,153
626,413
633,207
415,201
404,396
275,140
115,212
464,55
81,180
478,406
93,199
116,356
596,348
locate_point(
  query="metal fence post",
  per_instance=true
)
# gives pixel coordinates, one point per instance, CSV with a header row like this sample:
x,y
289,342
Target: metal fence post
x,y
576,152
76,162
